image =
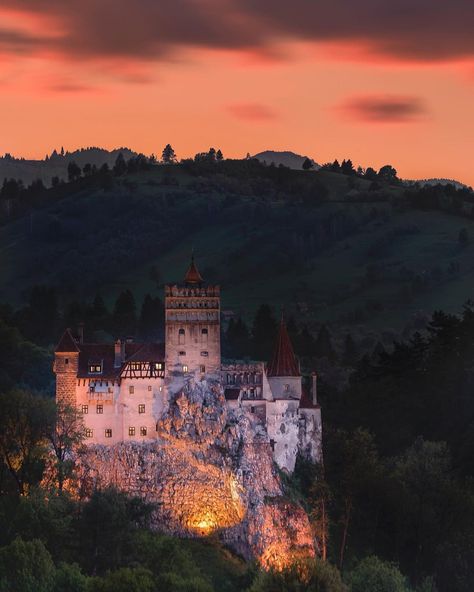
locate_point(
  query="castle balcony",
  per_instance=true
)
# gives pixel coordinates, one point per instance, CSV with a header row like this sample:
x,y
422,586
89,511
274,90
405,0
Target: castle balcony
x,y
100,395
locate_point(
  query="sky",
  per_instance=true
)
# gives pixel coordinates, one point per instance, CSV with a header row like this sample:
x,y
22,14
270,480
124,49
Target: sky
x,y
375,81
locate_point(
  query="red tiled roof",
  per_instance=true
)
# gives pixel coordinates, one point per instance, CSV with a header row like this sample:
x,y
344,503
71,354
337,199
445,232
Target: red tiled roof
x,y
149,352
284,362
192,275
67,343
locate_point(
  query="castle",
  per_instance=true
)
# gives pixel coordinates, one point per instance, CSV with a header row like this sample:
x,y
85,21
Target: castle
x,y
122,389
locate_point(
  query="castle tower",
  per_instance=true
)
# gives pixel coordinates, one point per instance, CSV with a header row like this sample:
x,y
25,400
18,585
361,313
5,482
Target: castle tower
x,y
66,366
192,317
283,372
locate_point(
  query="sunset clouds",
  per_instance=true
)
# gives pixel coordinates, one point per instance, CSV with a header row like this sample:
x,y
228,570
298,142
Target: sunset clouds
x,y
385,108
407,30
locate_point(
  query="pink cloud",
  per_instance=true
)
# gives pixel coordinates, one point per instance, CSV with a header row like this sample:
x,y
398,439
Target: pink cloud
x,y
256,112
384,108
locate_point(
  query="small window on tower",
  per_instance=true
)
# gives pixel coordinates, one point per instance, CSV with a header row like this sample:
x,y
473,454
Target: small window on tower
x,y
185,368
204,354
131,389
142,431
181,336
149,388
182,353
85,409
141,408
99,409
202,369
89,433
131,431
108,433
66,360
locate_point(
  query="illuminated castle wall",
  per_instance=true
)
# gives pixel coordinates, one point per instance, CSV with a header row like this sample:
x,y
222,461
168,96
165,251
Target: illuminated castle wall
x,y
123,389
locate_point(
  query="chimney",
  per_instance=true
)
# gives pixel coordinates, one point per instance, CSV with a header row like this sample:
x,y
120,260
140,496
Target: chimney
x,y
118,358
80,332
314,390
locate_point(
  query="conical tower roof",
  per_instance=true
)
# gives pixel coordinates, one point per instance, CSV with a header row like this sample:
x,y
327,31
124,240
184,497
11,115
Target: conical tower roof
x,y
192,275
67,343
284,362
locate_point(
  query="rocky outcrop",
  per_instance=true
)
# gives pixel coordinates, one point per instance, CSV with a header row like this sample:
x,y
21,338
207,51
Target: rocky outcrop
x,y
210,469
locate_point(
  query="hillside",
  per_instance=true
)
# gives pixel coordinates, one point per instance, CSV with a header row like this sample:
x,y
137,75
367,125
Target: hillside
x,y
326,246
56,164
285,158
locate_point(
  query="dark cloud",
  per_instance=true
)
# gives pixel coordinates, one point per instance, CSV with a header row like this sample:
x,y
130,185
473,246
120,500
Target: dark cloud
x,y
150,29
252,111
387,108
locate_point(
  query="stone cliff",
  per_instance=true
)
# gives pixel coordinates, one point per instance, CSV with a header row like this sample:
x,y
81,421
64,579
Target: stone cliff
x,y
209,470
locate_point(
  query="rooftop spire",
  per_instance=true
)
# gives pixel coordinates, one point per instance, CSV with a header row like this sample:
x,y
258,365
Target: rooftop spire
x,y
192,275
284,362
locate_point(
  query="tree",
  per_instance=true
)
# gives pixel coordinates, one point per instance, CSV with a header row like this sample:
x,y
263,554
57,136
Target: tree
x,y
350,354
264,332
26,566
125,579
108,523
347,168
150,324
69,578
24,422
120,166
73,171
311,575
388,173
307,164
370,174
463,237
219,156
374,575
124,315
237,337
323,346
65,434
212,154
168,155
353,470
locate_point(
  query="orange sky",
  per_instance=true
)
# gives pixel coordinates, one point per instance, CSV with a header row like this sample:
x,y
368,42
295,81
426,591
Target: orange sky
x,y
327,98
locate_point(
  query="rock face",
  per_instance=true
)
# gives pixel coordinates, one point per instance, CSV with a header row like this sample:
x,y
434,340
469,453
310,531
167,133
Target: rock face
x,y
209,470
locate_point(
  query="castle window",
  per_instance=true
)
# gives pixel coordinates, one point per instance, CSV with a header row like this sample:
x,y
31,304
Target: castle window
x,y
85,409
135,366
185,368
89,433
182,353
252,409
202,368
272,444
95,367
204,334
131,390
181,336
99,409
142,431
66,360
141,408
131,431
108,433
158,366
149,388
229,378
204,354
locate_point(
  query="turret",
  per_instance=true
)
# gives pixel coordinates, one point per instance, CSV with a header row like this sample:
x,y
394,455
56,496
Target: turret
x,y
283,371
66,366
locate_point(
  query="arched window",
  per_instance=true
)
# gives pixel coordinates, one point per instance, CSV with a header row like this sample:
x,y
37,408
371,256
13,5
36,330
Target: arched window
x,y
204,335
181,335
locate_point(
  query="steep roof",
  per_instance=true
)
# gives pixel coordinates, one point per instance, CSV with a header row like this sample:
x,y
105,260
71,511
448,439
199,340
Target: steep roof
x,y
67,343
192,275
284,362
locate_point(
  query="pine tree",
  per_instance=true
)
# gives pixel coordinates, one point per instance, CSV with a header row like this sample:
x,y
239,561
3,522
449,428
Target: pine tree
x,y
323,346
168,155
264,332
350,354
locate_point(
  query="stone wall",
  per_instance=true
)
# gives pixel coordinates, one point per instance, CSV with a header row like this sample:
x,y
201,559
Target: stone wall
x,y
209,470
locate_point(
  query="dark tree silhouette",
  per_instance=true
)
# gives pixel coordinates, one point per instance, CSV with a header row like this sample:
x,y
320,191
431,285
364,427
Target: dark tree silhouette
x,y
168,155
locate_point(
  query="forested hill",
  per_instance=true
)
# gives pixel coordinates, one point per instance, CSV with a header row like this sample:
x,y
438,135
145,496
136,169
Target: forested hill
x,y
349,249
